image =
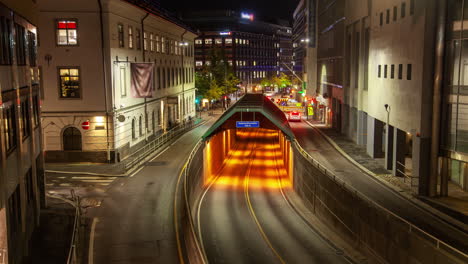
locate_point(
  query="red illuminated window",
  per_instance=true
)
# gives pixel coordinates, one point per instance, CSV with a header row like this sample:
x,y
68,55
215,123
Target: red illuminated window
x,y
67,32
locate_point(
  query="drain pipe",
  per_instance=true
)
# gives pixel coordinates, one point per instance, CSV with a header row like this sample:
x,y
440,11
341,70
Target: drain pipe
x,y
437,100
144,60
104,72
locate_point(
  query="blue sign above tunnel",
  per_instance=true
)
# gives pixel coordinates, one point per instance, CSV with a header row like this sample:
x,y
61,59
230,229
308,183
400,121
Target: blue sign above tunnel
x,y
243,124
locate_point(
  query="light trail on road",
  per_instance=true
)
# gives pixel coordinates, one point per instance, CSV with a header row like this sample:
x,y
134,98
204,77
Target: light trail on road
x,y
243,216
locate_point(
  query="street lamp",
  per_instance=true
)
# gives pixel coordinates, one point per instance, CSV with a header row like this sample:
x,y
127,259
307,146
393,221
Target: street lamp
x,y
305,40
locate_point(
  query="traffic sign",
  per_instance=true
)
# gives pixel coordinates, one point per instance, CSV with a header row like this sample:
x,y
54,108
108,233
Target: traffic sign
x,y
85,125
244,124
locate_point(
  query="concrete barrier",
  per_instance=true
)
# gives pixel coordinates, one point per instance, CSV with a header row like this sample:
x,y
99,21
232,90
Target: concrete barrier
x,y
361,221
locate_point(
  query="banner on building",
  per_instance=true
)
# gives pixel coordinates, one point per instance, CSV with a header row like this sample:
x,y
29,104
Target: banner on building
x,y
141,79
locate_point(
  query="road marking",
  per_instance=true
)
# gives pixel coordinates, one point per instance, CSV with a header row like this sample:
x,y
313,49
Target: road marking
x,y
91,241
252,212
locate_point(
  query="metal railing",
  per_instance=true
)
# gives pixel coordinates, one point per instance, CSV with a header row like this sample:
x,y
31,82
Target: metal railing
x,y
141,154
72,252
411,227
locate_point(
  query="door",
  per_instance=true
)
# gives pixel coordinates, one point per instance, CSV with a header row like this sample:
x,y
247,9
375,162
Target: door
x,y
71,139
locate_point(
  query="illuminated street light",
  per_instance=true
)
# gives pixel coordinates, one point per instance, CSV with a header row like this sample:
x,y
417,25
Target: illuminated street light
x,y
305,40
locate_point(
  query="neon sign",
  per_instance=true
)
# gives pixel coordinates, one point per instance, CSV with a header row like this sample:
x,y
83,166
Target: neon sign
x,y
225,33
247,16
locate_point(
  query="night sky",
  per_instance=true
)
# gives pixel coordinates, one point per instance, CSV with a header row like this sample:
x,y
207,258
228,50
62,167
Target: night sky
x,y
264,9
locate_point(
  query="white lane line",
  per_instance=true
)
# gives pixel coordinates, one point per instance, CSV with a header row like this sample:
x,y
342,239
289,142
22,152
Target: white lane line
x,y
92,178
91,241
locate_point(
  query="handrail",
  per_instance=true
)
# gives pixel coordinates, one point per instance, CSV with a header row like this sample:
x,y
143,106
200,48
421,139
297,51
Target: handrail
x,y
364,197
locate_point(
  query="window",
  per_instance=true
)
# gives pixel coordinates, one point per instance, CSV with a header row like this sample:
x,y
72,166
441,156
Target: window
x,y
400,71
409,73
130,37
120,29
395,13
151,42
208,41
69,82
32,48
20,45
379,71
381,19
145,43
138,39
159,78
403,10
25,116
388,16
35,109
392,71
67,34
140,126
163,45
133,129
198,42
218,41
123,82
158,44
9,119
5,43
153,122
385,71
411,7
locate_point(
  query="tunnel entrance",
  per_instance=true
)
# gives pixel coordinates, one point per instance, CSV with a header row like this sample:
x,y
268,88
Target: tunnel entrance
x,y
259,157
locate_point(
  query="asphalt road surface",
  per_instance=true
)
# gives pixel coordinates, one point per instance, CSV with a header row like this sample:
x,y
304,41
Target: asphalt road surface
x,y
244,216
327,155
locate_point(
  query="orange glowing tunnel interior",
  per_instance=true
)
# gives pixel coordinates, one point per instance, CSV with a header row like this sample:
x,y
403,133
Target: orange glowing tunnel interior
x,y
257,157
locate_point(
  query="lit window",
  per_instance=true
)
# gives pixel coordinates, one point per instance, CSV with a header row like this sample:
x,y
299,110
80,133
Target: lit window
x,y
163,45
208,41
199,63
69,79
230,62
145,41
151,42
218,41
208,63
228,41
130,37
237,41
67,34
158,44
121,35
198,42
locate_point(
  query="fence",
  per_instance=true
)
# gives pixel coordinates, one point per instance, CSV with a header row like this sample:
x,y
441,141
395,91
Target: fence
x,y
363,221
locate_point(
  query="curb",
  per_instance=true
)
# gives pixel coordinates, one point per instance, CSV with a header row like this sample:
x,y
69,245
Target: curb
x,y
410,197
134,168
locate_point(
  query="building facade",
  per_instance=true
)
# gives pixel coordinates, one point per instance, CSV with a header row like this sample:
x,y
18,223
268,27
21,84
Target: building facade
x,y
22,170
116,74
253,48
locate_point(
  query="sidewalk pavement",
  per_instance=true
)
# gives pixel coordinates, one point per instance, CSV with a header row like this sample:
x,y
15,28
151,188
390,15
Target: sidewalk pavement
x,y
455,205
103,169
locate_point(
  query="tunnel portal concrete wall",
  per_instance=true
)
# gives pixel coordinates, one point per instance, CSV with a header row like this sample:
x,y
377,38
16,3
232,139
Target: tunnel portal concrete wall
x,y
362,222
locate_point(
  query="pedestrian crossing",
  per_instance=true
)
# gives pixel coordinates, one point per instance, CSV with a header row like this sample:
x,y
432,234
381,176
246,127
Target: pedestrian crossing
x,y
52,180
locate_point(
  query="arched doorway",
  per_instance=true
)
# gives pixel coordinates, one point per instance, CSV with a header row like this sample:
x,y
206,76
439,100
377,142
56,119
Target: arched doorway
x,y
72,139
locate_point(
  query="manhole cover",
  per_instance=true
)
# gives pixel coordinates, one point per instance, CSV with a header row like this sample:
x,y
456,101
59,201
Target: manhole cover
x,y
156,163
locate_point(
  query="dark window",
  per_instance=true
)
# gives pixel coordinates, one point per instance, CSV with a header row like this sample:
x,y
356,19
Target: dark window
x,y
29,187
20,45
392,71
409,73
133,129
153,122
366,58
411,7
67,32
14,212
159,78
32,48
130,37
388,16
138,39
9,123
140,126
5,41
25,119
357,47
385,71
69,79
395,13
379,72
400,71
403,10
71,139
381,19
35,109
121,35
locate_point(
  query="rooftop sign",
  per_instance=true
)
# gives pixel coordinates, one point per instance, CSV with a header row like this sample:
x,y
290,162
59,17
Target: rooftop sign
x,y
247,16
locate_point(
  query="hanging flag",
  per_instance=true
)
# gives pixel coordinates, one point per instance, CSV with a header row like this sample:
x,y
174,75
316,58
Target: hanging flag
x,y
142,79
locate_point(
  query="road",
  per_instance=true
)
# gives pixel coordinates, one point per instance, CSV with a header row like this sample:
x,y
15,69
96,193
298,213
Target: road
x,y
327,155
244,216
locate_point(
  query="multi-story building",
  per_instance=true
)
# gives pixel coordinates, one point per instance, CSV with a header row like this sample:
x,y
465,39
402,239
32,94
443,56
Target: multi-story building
x,y
305,47
251,47
397,86
21,174
115,75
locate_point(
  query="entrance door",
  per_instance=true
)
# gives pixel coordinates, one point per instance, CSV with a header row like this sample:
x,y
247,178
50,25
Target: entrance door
x,y
71,139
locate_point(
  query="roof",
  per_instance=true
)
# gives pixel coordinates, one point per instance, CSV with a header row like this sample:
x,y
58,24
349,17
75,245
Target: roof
x,y
256,103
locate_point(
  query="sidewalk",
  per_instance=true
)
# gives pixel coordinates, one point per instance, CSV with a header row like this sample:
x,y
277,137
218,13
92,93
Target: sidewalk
x,y
101,169
455,205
